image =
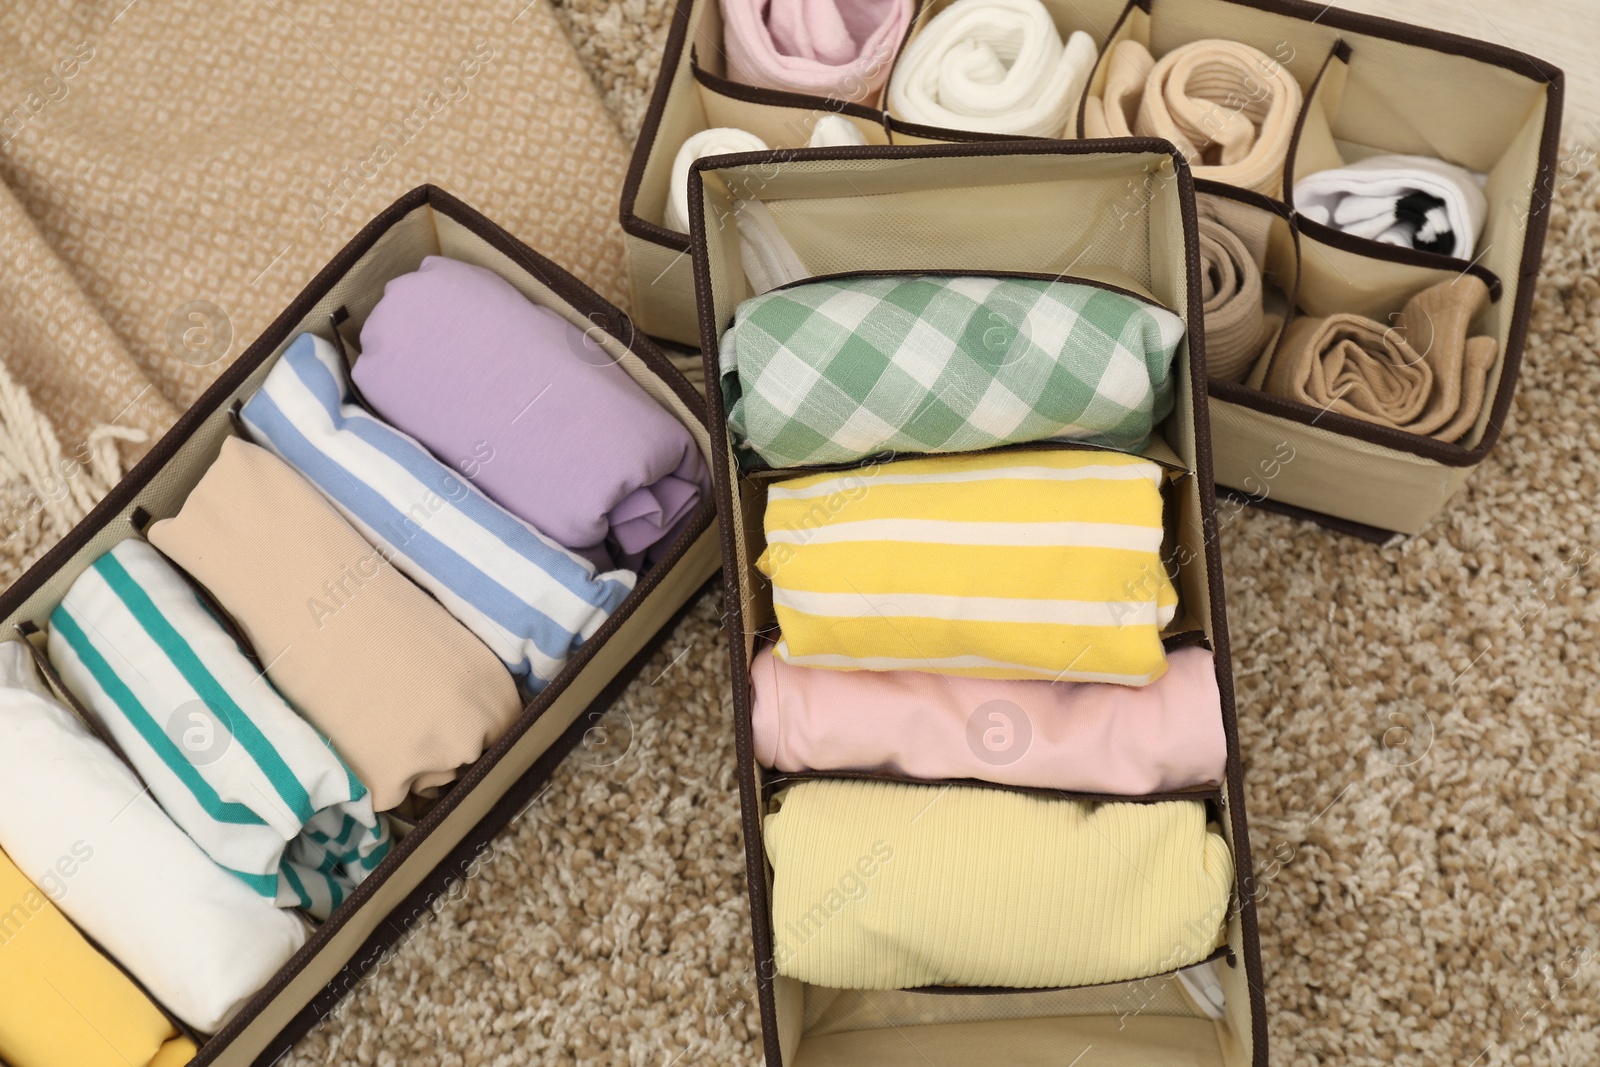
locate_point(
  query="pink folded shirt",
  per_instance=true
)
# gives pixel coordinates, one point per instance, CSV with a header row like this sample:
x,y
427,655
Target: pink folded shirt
x,y
1080,736
837,48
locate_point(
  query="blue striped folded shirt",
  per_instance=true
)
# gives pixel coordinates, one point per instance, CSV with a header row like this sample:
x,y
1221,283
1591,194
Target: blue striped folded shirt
x,y
530,600
254,784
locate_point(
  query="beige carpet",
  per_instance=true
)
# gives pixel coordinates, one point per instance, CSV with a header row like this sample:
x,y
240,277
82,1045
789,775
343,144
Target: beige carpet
x,y
1418,736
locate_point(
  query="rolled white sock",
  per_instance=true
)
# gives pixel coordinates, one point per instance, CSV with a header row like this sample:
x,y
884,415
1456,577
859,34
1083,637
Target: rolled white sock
x,y
832,131
717,141
1414,201
994,66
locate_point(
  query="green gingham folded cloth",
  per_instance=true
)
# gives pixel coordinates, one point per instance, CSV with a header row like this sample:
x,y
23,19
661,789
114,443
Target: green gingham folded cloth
x,y
834,370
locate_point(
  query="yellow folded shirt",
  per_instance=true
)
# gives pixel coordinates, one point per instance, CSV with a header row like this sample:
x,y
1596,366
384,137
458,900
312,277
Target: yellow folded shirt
x,y
889,885
996,565
64,1003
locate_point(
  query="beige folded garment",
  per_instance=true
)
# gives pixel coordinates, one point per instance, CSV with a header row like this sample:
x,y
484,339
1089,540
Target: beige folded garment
x,y
404,691
1238,326
1229,108
1423,374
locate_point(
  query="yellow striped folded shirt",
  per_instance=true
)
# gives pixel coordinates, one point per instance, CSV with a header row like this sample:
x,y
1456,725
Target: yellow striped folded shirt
x,y
1039,564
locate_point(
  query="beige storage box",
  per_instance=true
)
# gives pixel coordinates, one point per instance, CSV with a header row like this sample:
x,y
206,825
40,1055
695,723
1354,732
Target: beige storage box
x,y
1038,208
1370,86
441,846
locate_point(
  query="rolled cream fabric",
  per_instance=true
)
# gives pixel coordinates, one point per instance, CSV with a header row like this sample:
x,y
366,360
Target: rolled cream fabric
x,y
717,141
405,693
244,776
1038,564
531,411
196,936
1238,325
889,885
835,48
994,66
1229,108
65,1004
835,131
1079,736
1423,374
1411,201
530,600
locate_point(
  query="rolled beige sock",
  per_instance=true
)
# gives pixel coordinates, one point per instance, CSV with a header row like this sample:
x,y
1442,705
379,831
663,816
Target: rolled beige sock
x,y
1228,107
405,692
1237,324
1423,374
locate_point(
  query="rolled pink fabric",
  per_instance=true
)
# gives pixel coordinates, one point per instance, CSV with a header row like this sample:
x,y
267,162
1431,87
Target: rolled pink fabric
x,y
836,48
1082,736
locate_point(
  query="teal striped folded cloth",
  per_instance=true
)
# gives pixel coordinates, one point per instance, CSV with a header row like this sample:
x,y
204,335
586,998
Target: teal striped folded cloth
x,y
254,784
838,369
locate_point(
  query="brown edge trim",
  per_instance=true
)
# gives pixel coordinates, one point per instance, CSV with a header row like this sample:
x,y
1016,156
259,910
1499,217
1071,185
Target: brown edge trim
x,y
1104,59
569,289
1340,52
1410,257
1376,535
756,94
457,867
1222,953
755,858
779,780
957,272
632,223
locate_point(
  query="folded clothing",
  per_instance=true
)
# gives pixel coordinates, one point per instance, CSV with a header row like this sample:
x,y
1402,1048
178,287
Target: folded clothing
x,y
1411,201
1079,736
530,600
829,131
519,401
1238,325
1422,374
834,370
1229,108
406,694
717,141
1041,564
65,1003
888,885
996,66
199,939
255,786
835,48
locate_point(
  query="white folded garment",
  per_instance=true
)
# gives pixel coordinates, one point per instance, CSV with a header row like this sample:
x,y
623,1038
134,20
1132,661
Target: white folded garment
x,y
1411,201
717,141
994,66
246,777
833,131
199,939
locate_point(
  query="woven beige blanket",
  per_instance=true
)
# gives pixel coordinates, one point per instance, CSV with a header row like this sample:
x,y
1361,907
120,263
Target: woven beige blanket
x,y
169,181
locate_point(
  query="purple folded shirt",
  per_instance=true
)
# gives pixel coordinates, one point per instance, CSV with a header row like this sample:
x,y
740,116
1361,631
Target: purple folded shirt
x,y
513,396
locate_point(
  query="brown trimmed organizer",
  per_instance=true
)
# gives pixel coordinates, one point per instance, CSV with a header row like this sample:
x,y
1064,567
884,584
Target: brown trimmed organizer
x,y
1371,85
1034,206
440,848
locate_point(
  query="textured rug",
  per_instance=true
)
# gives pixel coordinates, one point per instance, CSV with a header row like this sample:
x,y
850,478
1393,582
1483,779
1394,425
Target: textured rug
x,y
1418,728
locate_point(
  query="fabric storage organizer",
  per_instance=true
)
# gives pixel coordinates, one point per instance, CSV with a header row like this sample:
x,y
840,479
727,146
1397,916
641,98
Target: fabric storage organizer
x,y
1046,210
438,845
1368,86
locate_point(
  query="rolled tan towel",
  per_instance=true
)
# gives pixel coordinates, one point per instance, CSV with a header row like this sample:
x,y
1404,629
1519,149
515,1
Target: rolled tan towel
x,y
1238,326
405,692
1229,108
1423,374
